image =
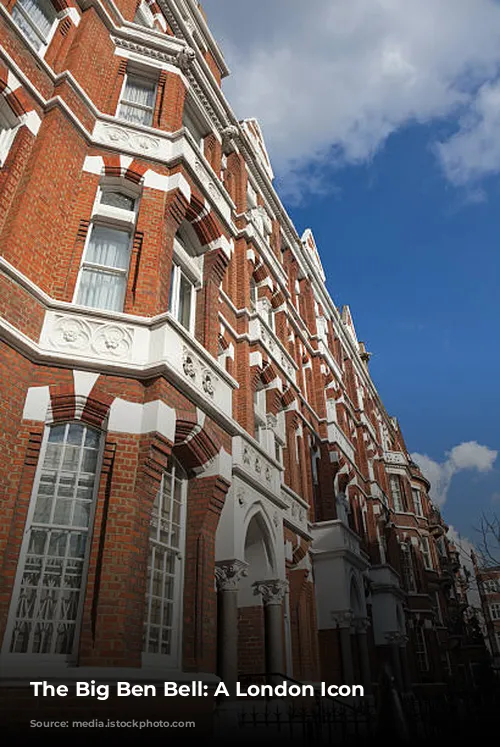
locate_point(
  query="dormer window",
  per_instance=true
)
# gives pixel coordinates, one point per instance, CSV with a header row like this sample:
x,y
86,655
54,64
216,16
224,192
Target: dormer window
x,y
36,20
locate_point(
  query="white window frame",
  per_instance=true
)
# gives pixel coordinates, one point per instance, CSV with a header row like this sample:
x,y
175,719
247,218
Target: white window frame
x,y
9,126
417,501
145,14
172,660
421,649
254,294
115,218
425,549
44,41
191,267
495,610
149,75
396,493
408,571
29,659
193,123
491,586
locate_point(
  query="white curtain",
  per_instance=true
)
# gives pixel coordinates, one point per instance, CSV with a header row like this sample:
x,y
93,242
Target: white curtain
x,y
138,100
98,288
41,14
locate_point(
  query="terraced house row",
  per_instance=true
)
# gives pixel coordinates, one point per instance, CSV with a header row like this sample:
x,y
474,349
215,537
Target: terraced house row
x,y
198,477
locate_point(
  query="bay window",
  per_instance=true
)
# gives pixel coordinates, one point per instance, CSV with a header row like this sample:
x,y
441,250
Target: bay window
x,y
417,502
36,19
407,569
185,279
426,552
182,298
138,98
49,589
165,566
9,125
103,277
396,494
104,273
421,650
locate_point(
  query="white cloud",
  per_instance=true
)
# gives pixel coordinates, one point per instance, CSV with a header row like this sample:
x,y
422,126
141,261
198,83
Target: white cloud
x,y
330,80
474,151
468,455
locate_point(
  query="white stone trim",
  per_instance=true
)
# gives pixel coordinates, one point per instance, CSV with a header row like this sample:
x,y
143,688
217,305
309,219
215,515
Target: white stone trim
x,y
37,403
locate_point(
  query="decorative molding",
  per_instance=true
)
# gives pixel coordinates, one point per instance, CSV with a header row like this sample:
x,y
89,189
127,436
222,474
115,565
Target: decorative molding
x,y
361,624
185,59
90,336
228,574
342,619
200,375
272,591
127,138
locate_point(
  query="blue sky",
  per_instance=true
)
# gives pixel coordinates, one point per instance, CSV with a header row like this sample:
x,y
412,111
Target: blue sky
x,y
382,119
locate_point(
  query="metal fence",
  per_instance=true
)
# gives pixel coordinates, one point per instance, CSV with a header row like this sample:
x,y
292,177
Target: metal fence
x,y
457,717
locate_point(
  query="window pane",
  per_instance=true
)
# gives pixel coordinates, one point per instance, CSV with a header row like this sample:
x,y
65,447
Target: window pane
x,y
109,247
117,199
164,565
102,290
135,115
41,14
52,569
26,27
185,291
139,91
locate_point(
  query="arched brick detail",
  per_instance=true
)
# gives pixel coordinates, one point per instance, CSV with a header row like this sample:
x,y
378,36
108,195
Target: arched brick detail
x,y
268,374
134,172
194,446
62,402
66,405
201,218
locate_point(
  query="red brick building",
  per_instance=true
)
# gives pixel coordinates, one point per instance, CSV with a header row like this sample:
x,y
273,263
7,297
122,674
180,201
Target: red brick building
x,y
488,584
198,477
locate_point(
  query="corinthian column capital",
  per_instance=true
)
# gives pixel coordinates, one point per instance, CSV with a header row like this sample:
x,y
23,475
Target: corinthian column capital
x,y
228,574
272,591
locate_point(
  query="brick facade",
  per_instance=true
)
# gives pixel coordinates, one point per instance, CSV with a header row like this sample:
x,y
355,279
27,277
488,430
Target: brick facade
x,y
214,351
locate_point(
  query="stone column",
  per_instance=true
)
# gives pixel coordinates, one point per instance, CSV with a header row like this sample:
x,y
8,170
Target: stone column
x,y
273,592
343,620
228,574
361,626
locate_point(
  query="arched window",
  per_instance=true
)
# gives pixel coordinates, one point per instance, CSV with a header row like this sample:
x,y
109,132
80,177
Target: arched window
x,y
162,622
48,595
